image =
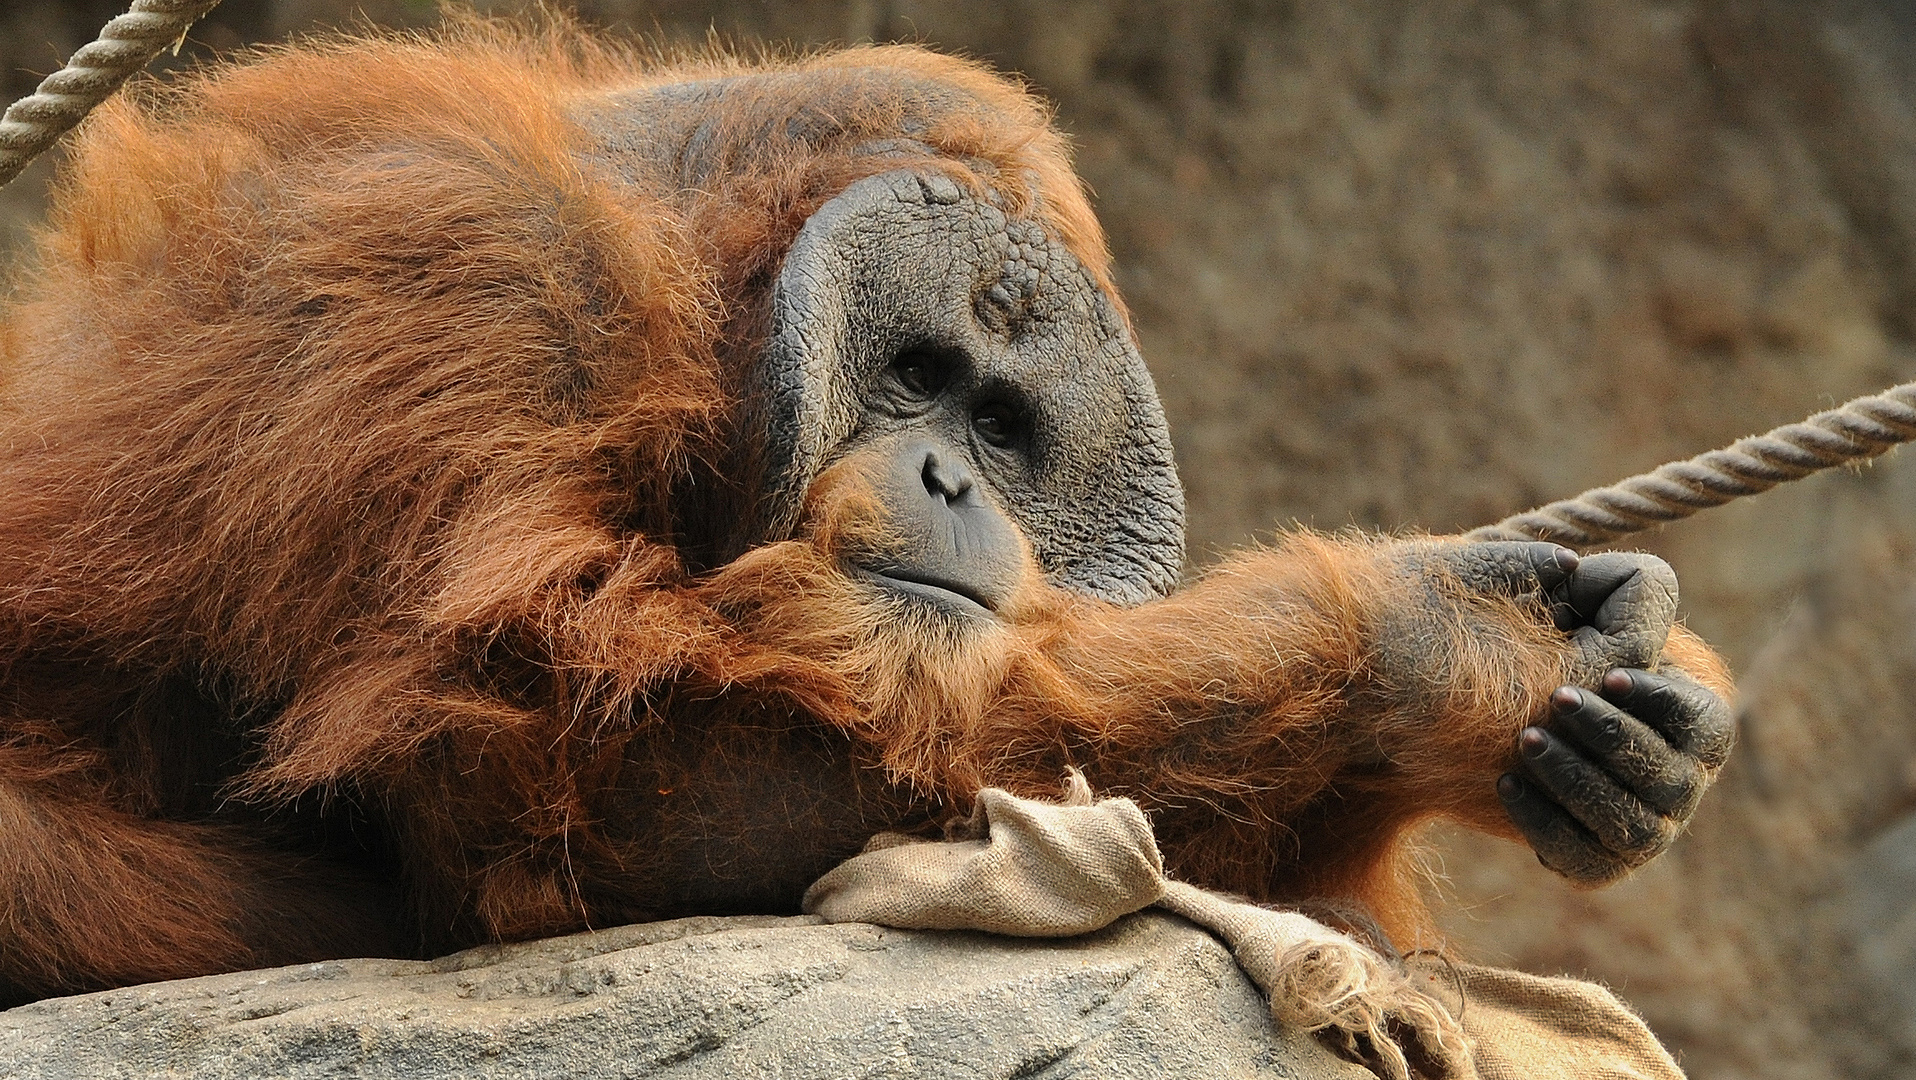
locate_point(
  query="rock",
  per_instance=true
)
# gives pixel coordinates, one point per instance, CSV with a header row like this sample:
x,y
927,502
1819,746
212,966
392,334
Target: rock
x,y
788,998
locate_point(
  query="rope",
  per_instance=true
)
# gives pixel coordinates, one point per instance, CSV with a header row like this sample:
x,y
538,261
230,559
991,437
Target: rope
x,y
1859,430
125,46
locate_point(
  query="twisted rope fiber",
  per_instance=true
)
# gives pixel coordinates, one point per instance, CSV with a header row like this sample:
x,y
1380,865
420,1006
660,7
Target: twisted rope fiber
x,y
1857,431
125,46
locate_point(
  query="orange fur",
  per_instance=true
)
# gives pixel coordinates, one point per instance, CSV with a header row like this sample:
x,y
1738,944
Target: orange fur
x,y
349,418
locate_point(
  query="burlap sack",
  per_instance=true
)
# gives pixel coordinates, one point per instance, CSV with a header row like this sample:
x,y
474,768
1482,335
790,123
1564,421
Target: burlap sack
x,y
1036,869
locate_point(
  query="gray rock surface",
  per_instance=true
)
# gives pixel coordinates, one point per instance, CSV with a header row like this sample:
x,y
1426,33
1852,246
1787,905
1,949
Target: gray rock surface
x,y
787,998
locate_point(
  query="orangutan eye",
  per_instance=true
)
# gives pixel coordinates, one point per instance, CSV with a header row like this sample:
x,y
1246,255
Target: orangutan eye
x,y
920,374
996,423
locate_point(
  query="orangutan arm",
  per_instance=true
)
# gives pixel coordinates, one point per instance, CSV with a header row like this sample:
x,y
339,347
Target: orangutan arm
x,y
1290,717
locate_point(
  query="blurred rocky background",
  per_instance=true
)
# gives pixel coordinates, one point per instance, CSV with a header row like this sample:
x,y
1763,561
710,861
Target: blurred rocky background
x,y
1419,263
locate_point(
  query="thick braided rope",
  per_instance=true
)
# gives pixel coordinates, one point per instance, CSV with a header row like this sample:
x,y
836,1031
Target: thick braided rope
x,y
125,46
1859,430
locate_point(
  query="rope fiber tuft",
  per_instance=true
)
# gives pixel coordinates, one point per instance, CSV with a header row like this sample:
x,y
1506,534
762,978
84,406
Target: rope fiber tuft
x,y
125,46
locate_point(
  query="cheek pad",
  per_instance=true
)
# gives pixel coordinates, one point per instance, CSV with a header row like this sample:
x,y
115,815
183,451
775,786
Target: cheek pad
x,y
910,260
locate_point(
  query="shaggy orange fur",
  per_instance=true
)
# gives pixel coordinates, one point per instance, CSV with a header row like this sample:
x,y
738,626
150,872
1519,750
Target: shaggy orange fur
x,y
350,413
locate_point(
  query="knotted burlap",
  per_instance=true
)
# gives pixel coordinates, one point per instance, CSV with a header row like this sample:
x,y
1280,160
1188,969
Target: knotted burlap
x,y
1028,868
1036,869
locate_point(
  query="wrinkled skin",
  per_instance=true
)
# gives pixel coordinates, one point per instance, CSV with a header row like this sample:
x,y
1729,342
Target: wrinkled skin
x,y
909,310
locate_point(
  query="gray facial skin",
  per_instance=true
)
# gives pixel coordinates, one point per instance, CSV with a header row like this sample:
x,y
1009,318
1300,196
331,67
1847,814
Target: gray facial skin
x,y
910,312
950,544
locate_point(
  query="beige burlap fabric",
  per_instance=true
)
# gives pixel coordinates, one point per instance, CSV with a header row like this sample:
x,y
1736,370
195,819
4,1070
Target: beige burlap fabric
x,y
1528,1026
1037,869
